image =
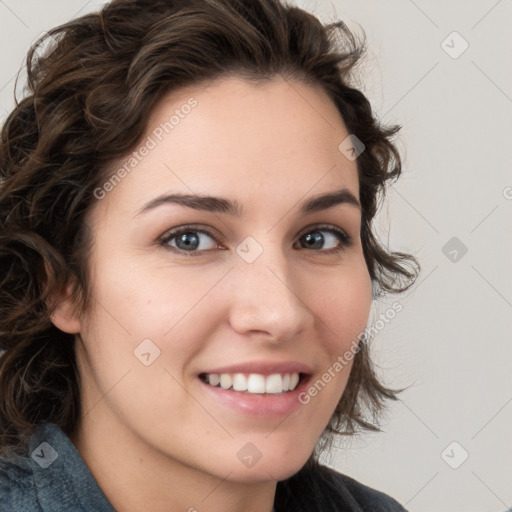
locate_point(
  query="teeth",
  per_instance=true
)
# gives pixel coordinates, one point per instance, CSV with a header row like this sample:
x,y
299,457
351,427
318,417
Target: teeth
x,y
274,384
239,382
214,379
294,380
255,382
226,381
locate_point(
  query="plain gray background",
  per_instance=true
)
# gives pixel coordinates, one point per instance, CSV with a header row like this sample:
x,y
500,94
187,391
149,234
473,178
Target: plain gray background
x,y
451,343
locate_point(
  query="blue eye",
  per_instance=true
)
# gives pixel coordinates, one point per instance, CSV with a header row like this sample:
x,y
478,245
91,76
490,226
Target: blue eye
x,y
313,238
188,241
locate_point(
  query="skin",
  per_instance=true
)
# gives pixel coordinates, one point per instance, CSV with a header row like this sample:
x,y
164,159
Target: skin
x,y
150,435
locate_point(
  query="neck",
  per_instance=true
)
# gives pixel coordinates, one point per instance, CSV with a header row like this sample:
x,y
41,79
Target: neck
x,y
143,478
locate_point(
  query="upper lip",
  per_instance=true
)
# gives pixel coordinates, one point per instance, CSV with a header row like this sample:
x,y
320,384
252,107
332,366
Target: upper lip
x,y
263,368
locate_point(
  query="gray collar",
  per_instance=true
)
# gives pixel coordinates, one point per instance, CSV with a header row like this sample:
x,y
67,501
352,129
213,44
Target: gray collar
x,y
62,479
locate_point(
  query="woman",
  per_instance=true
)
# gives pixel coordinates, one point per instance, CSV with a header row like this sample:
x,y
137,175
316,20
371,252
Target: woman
x,y
188,263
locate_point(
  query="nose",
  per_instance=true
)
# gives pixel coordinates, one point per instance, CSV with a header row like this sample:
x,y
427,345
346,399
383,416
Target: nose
x,y
268,300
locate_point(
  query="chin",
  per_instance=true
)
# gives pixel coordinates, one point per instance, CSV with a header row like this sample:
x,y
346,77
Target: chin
x,y
276,465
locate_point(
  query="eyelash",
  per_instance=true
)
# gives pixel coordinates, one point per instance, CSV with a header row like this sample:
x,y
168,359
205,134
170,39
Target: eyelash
x,y
345,239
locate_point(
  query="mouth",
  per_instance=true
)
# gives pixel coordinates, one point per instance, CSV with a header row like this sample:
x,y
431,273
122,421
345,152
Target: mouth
x,y
258,389
255,383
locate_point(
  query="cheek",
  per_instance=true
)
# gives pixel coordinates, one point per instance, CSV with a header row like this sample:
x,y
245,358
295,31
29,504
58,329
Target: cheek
x,y
343,305
135,303
139,338
143,297
343,310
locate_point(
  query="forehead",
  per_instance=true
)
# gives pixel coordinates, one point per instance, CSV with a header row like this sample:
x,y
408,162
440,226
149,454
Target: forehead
x,y
239,138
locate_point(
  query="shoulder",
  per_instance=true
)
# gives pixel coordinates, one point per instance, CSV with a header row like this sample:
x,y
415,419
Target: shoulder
x,y
17,488
50,476
367,497
319,488
30,478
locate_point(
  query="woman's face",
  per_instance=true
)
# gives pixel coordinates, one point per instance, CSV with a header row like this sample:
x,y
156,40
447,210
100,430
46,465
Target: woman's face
x,y
185,294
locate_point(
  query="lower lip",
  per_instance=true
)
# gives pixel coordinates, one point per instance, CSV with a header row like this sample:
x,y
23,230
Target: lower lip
x,y
259,405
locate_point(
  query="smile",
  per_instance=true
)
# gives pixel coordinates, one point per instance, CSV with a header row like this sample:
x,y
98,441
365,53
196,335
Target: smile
x,y
253,383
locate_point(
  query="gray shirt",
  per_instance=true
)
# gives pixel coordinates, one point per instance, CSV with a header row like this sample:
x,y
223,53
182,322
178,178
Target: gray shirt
x,y
55,478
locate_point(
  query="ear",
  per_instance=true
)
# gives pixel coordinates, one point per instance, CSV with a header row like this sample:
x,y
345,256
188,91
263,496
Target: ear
x,y
64,316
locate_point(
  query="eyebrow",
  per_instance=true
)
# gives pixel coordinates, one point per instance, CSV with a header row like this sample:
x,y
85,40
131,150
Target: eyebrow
x,y
232,207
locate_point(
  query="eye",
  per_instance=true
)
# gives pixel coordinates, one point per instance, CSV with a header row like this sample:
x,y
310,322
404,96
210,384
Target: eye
x,y
337,239
188,240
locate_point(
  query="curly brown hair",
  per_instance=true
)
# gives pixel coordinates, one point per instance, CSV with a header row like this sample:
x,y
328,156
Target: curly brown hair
x,y
89,97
